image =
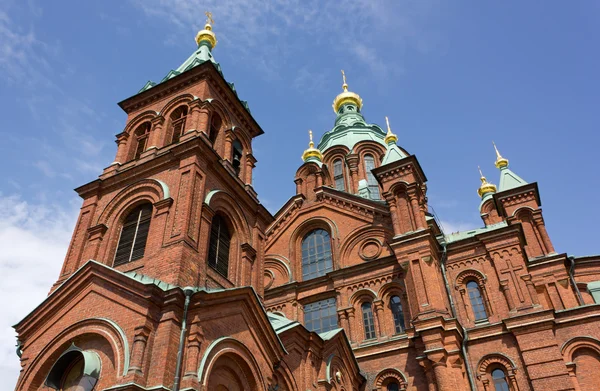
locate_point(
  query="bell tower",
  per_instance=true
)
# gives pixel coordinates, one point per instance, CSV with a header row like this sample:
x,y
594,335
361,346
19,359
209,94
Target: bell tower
x,y
177,204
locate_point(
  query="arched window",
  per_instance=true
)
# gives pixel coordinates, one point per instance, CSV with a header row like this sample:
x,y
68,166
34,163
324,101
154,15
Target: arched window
x,y
218,250
141,135
499,379
338,175
368,322
215,126
396,307
393,386
373,185
476,301
237,156
134,234
177,125
316,254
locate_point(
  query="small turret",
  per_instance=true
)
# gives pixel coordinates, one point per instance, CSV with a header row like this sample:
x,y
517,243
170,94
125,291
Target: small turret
x,y
508,179
486,188
312,153
206,36
393,152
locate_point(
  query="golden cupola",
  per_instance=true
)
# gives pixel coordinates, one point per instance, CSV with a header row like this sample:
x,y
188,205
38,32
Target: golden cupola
x,y
389,137
485,187
346,97
312,153
207,34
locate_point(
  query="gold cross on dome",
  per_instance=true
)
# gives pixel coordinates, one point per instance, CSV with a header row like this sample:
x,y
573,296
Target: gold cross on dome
x,y
344,76
209,18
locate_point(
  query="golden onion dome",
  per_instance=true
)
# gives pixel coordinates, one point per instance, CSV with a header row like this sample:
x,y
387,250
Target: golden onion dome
x,y
390,138
346,97
500,161
485,187
312,151
207,34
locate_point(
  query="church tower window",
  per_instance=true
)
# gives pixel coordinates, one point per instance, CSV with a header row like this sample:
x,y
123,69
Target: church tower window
x,y
396,307
338,174
368,321
316,254
218,249
215,126
141,135
237,156
393,386
373,185
499,378
134,235
177,126
476,299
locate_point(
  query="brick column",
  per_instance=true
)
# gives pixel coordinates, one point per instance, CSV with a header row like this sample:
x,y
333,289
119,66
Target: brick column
x,y
156,133
191,123
138,350
122,148
507,295
378,306
394,213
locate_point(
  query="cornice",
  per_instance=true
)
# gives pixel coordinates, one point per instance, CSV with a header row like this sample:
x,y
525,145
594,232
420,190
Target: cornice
x,y
516,196
395,169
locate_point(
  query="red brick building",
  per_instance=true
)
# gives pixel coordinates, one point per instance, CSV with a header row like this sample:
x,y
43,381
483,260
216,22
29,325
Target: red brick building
x,y
177,278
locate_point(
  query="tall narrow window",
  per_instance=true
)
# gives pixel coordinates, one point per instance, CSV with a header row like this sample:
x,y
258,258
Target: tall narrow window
x,y
215,126
177,125
218,250
476,301
393,386
396,307
141,135
368,322
237,156
338,175
321,316
134,234
499,378
371,180
316,254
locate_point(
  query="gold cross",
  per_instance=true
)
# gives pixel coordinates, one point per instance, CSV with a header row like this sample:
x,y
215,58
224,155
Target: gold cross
x,y
310,135
387,121
209,18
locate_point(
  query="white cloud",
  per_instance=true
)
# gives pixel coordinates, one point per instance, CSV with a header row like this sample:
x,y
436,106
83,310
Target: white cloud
x,y
34,240
455,226
278,30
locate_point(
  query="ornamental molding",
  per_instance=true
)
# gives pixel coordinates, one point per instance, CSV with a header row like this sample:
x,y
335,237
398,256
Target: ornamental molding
x,y
518,199
395,173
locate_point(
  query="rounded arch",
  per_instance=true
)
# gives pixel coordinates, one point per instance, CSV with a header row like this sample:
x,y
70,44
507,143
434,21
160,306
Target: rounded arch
x,y
388,375
361,236
242,136
227,347
151,190
569,347
219,108
469,275
399,187
276,263
106,330
365,147
362,295
393,288
224,203
174,103
301,231
523,211
493,360
139,119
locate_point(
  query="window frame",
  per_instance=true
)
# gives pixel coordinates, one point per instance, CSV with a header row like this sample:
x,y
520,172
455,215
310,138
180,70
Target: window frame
x,y
322,261
373,185
477,302
178,122
338,177
217,265
368,320
147,220
331,307
397,317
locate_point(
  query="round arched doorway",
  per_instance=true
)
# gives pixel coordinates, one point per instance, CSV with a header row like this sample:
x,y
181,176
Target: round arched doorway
x,y
231,373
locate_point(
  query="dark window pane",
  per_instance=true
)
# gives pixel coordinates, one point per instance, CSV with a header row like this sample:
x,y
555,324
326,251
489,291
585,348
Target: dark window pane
x,y
338,175
476,301
134,234
368,322
396,307
316,254
321,316
499,378
218,248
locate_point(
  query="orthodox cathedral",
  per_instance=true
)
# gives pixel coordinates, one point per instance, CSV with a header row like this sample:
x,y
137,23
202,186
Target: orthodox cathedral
x,y
177,277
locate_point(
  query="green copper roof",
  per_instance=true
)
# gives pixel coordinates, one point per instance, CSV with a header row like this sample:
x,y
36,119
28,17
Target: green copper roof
x,y
509,180
350,128
393,154
456,236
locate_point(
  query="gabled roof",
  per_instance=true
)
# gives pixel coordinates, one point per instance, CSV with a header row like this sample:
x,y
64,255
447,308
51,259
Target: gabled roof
x,y
393,153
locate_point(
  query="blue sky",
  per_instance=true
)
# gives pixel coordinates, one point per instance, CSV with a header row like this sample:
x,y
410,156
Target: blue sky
x,y
451,75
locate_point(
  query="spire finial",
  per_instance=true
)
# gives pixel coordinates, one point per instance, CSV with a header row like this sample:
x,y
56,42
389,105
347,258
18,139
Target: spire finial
x,y
389,137
207,35
500,161
346,97
485,187
344,85
312,152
